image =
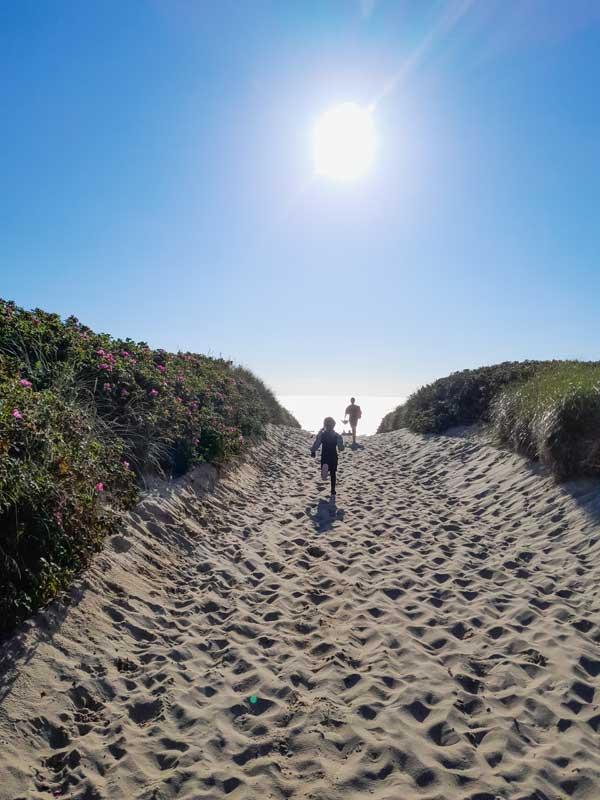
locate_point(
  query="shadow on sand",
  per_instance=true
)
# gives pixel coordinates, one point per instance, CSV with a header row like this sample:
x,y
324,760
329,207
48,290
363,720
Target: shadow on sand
x,y
326,514
585,492
19,647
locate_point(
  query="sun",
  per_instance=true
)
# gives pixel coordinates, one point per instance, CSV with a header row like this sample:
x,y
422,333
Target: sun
x,y
344,142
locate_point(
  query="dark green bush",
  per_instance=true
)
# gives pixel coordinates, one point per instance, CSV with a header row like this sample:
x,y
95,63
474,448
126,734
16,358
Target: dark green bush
x,y
547,410
83,419
462,398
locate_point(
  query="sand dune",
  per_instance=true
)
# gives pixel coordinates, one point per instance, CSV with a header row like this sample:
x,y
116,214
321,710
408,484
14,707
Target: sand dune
x,y
435,636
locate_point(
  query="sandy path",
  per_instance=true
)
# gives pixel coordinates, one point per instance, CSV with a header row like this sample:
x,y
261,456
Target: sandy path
x,y
436,636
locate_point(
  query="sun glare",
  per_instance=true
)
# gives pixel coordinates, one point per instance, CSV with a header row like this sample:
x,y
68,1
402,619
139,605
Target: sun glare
x,y
344,142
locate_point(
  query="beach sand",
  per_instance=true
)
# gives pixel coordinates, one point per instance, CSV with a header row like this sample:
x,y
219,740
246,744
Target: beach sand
x,y
435,636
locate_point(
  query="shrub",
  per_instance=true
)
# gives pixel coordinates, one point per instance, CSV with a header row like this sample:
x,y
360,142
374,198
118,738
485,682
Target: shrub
x,y
83,419
547,410
554,417
462,398
55,473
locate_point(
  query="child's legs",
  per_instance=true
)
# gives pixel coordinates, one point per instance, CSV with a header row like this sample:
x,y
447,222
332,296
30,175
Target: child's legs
x,y
333,476
353,426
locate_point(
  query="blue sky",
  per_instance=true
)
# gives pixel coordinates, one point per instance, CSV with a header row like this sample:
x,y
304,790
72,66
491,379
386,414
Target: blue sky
x,y
157,181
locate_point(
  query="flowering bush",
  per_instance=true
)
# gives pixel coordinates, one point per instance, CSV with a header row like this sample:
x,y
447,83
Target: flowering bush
x,y
83,419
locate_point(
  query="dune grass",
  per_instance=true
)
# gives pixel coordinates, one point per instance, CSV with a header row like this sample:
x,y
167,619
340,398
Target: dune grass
x,y
84,419
554,417
547,410
461,398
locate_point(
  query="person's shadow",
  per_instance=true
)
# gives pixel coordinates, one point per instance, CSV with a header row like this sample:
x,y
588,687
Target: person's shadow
x,y
326,514
356,446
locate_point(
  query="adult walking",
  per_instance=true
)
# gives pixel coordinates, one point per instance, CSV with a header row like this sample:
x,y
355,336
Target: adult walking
x,y
353,414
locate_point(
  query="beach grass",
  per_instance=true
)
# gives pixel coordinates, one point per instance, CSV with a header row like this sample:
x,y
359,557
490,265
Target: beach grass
x,y
547,410
554,417
461,398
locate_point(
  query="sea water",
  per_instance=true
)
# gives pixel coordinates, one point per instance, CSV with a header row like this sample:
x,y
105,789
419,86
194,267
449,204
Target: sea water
x,y
310,410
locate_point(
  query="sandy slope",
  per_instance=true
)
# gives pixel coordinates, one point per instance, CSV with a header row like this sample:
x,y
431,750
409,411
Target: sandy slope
x,y
434,636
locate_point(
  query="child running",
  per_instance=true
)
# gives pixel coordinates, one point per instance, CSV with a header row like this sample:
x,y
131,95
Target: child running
x,y
330,442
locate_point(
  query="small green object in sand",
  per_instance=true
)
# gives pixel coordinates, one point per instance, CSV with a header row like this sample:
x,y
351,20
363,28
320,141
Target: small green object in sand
x,y
253,699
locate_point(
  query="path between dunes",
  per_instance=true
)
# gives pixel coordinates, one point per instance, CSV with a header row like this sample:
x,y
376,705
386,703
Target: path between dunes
x,y
435,636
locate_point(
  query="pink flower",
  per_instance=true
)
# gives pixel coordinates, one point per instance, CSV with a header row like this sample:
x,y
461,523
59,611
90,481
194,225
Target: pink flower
x,y
58,518
153,392
124,393
17,414
124,353
107,367
107,387
100,352
195,441
160,367
99,487
126,464
25,383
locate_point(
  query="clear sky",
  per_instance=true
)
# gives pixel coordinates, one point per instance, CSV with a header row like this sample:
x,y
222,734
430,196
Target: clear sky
x,y
156,180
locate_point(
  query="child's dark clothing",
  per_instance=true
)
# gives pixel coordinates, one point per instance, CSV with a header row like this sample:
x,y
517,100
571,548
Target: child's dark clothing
x,y
329,442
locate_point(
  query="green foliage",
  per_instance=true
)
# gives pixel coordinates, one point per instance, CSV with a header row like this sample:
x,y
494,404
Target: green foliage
x,y
462,398
548,410
554,417
83,419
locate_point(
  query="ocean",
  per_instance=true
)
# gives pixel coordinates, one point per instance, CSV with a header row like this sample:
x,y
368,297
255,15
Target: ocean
x,y
310,410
